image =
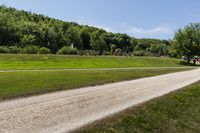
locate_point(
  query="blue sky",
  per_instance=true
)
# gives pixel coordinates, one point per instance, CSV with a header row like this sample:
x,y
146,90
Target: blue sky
x,y
138,18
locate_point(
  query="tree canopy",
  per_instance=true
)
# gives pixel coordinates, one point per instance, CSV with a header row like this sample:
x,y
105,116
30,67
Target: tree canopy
x,y
25,29
187,41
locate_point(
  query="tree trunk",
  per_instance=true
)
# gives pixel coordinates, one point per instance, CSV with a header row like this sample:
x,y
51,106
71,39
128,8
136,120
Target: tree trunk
x,y
100,52
194,62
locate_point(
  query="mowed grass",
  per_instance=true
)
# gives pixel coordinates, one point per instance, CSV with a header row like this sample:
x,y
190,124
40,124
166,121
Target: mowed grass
x,y
8,61
178,112
15,84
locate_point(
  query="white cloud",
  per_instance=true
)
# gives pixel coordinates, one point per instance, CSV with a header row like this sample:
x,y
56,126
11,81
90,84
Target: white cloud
x,y
161,31
157,30
103,27
82,20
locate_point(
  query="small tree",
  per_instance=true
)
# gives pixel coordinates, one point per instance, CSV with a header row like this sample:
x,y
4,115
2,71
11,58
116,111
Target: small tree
x,y
113,48
187,42
118,52
97,42
85,35
28,40
74,37
159,49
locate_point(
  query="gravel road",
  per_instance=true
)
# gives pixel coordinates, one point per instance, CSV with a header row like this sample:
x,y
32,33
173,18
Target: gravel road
x,y
67,110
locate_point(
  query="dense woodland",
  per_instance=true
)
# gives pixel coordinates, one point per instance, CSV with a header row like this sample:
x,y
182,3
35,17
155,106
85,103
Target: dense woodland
x,y
30,33
26,32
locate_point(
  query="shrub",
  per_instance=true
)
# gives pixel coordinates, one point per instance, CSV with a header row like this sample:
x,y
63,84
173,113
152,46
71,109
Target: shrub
x,y
14,49
148,53
106,53
32,49
126,54
44,50
68,51
113,48
4,49
118,52
89,52
138,53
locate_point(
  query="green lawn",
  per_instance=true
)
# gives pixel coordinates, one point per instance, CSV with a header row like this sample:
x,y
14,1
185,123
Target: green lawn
x,y
178,112
58,61
22,83
15,84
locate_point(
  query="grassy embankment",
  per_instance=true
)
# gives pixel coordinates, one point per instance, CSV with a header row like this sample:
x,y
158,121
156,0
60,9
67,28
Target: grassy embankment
x,y
22,83
58,61
178,112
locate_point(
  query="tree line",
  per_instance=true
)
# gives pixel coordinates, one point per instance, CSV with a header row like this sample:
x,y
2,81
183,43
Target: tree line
x,y
26,32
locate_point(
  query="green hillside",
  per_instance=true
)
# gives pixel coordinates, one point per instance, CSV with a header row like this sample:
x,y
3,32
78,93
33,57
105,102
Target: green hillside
x,y
26,32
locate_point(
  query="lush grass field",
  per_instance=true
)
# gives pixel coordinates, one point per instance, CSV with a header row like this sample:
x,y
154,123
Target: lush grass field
x,y
22,83
59,61
14,84
178,112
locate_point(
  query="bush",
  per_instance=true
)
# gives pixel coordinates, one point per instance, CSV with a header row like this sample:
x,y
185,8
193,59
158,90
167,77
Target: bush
x,y
148,54
126,54
89,52
14,49
113,48
68,51
4,49
118,52
138,53
11,49
32,49
44,50
106,53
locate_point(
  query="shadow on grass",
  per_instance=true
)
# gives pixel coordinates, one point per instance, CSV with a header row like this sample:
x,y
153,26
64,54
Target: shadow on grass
x,y
184,63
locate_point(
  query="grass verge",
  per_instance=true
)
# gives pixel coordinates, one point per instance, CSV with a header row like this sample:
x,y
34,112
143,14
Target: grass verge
x,y
176,112
8,62
15,84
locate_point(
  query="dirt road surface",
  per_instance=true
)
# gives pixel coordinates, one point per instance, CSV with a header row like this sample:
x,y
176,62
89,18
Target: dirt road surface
x,y
67,110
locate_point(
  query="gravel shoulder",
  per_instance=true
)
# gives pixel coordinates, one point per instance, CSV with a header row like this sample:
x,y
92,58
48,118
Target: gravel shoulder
x,y
68,110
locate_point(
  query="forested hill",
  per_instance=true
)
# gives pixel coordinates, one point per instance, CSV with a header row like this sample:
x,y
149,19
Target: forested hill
x,y
25,29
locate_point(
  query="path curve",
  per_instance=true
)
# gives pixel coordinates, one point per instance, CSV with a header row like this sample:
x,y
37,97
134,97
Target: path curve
x,y
68,110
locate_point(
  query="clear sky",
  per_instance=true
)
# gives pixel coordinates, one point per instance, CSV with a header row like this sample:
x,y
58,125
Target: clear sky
x,y
138,18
